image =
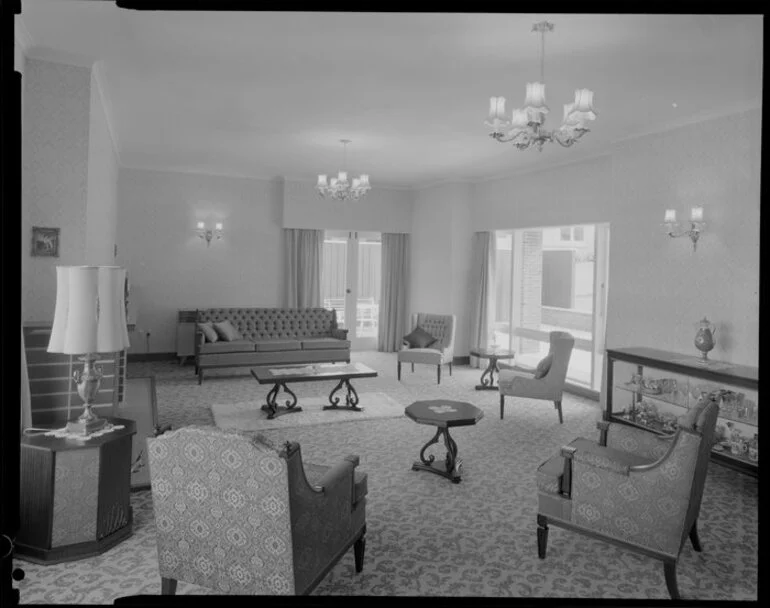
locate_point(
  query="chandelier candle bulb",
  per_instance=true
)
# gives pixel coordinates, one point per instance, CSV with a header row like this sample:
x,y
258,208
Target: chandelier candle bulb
x,y
696,214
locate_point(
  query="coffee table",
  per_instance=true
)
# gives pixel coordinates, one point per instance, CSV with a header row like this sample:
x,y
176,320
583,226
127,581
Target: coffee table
x,y
280,376
443,414
494,355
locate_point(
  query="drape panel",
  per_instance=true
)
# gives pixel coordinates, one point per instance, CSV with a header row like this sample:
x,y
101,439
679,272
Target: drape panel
x,y
304,249
26,397
394,283
483,289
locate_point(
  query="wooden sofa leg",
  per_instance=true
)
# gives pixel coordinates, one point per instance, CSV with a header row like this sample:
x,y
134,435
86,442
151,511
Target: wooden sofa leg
x,y
412,367
557,405
450,368
438,373
542,536
669,569
399,371
694,537
200,376
359,547
167,586
502,405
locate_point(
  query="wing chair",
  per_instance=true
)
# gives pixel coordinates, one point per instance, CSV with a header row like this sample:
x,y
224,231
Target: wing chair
x,y
241,516
515,383
441,327
640,490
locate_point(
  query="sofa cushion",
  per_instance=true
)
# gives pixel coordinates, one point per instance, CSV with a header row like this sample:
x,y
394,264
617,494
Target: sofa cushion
x,y
323,343
419,338
208,332
223,346
226,331
263,346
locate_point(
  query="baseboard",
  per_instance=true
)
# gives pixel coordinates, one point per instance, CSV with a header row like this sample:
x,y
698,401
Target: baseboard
x,y
140,357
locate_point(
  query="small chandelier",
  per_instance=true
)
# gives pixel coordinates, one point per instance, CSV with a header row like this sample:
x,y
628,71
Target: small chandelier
x,y
338,188
525,128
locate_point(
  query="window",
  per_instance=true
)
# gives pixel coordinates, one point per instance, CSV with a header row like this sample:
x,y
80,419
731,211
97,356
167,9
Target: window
x,y
546,282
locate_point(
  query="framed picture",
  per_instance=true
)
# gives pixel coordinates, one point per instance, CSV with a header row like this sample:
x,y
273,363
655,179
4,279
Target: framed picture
x,y
45,242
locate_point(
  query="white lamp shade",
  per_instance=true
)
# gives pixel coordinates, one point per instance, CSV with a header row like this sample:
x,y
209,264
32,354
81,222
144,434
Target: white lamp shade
x,y
535,99
90,312
696,214
519,119
356,182
333,182
342,176
584,106
670,216
364,180
218,226
497,108
201,225
322,181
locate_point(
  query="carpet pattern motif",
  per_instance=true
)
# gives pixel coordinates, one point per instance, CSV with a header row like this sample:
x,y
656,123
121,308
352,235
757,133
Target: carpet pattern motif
x,y
425,535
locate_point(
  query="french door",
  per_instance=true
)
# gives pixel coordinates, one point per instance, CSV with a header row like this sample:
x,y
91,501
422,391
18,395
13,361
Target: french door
x,y
553,278
350,283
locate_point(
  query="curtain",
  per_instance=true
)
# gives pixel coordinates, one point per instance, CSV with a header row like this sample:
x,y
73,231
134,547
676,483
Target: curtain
x,y
482,289
304,249
394,281
26,398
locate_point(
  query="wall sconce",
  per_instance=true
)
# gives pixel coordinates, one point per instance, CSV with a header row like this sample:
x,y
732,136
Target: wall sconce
x,y
676,229
208,233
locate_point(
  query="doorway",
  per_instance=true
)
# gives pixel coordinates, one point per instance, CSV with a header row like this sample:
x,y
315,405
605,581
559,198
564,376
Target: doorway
x,y
350,283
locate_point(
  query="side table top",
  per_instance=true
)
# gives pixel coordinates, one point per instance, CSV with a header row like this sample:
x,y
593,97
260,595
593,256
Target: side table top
x,y
57,444
444,413
498,353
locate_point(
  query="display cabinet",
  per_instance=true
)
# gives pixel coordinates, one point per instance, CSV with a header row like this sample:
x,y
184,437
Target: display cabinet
x,y
651,389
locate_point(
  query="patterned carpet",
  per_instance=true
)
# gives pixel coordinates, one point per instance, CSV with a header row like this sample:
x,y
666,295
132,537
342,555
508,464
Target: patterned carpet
x,y
427,536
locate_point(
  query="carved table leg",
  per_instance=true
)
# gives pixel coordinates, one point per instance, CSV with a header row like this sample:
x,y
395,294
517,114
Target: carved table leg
x,y
451,466
488,383
271,406
351,397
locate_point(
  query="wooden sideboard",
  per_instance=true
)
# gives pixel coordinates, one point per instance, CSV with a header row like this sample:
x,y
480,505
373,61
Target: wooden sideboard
x,y
185,334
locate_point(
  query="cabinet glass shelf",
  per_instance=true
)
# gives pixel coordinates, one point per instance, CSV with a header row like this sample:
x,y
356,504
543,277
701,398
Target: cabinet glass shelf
x,y
651,389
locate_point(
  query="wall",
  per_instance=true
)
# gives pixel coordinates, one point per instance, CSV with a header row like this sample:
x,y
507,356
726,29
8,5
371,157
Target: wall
x,y
170,267
658,288
441,256
102,197
55,142
381,210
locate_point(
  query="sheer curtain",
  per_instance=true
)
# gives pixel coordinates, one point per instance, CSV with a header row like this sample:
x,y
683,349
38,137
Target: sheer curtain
x,y
304,249
482,282
394,282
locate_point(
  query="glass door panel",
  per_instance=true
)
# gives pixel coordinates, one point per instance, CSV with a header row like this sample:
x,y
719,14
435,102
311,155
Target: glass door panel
x,y
334,267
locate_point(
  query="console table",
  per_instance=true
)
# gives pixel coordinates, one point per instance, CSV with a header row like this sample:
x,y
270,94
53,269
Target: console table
x,y
74,500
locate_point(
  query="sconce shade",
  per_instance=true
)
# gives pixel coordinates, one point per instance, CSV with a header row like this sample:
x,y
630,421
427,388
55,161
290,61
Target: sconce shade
x,y
90,312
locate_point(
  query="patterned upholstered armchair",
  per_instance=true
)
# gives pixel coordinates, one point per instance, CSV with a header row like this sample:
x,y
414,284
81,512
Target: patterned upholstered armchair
x,y
235,514
516,383
441,327
639,490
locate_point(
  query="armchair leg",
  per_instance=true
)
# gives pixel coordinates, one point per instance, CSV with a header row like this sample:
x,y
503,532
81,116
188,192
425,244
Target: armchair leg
x,y
669,569
502,405
450,368
167,586
542,536
694,536
412,367
200,376
399,371
557,405
359,547
438,373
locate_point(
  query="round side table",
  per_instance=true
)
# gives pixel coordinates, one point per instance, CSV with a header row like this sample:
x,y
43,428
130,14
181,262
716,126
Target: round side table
x,y
488,375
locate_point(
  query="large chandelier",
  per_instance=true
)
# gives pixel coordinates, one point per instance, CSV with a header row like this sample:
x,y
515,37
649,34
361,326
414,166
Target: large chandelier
x,y
338,188
525,128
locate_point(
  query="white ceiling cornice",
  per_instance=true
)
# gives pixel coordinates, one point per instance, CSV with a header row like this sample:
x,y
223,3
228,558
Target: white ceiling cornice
x,y
98,75
21,34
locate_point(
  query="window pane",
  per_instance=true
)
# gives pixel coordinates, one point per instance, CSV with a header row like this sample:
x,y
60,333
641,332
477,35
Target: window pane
x,y
566,234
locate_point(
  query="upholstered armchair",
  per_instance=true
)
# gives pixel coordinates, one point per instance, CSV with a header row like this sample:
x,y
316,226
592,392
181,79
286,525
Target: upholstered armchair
x,y
241,516
441,327
516,383
640,490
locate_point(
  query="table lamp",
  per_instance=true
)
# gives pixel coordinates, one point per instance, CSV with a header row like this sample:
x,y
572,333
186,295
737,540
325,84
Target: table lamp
x,y
89,318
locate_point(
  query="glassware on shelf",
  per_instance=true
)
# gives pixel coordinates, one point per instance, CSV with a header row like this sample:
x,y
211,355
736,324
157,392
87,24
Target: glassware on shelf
x,y
753,450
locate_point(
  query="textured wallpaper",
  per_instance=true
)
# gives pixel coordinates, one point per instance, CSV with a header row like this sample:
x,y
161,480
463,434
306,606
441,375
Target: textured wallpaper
x,y
54,175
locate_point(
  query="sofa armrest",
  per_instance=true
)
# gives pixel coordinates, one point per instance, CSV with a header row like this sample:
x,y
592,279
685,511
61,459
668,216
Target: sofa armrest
x,y
339,333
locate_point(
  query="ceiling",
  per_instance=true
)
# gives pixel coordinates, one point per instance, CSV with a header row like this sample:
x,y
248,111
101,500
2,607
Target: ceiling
x,y
268,94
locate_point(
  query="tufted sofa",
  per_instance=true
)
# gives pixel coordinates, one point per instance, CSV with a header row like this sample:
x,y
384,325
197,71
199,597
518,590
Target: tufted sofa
x,y
272,336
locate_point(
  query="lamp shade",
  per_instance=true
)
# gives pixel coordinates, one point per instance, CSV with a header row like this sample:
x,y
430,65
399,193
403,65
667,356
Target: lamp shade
x,y
90,313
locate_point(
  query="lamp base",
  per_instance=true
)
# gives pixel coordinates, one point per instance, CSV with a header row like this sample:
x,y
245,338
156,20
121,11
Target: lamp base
x,y
85,427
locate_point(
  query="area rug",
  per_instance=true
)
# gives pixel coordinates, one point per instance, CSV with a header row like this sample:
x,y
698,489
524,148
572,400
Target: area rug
x,y
249,415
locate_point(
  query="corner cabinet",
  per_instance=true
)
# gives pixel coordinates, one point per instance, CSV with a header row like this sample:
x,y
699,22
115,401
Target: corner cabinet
x,y
650,389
